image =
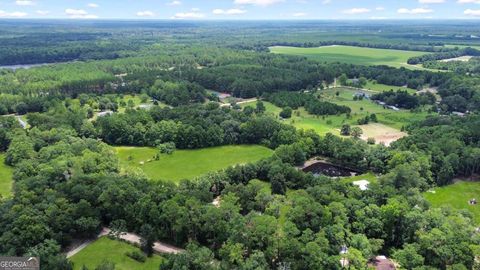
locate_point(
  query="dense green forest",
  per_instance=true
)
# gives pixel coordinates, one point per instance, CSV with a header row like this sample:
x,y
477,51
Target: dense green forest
x,y
60,123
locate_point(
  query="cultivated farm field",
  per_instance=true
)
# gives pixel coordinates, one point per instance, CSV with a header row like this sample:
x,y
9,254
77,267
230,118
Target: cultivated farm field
x,y
188,164
106,249
457,196
5,177
353,55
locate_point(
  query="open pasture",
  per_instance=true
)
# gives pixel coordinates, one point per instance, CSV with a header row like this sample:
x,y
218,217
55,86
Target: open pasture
x,y
188,164
106,249
6,173
353,55
387,130
457,196
378,87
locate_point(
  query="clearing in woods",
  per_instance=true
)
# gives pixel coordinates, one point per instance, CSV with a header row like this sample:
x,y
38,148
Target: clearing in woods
x,y
106,249
381,133
457,196
188,164
6,173
387,130
353,55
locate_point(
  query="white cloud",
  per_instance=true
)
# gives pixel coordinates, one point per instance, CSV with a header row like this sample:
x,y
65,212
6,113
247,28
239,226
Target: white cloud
x,y
325,2
24,3
79,14
233,11
472,12
93,5
468,1
299,14
174,3
379,8
257,2
145,13
188,15
414,11
431,1
16,14
378,18
354,11
42,12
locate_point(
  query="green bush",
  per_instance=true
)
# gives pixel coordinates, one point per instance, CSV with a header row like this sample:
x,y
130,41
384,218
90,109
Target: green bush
x,y
137,256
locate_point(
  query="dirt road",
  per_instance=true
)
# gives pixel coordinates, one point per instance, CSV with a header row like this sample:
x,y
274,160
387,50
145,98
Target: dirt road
x,y
132,238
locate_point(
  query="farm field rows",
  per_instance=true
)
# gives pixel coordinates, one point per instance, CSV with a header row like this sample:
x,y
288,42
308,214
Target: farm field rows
x,y
6,173
188,164
106,249
353,55
457,196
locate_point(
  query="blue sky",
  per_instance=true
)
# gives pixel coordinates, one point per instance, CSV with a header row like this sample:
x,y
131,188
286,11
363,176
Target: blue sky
x,y
241,9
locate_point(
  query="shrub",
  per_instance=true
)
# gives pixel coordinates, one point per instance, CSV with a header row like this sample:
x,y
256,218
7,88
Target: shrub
x,y
137,256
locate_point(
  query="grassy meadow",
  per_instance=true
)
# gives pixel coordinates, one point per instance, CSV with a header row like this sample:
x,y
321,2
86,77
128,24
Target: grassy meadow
x,y
370,177
114,251
187,164
6,173
457,196
389,120
353,55
378,87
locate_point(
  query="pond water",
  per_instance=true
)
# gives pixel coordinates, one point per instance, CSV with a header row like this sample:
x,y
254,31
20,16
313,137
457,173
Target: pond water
x,y
327,169
15,67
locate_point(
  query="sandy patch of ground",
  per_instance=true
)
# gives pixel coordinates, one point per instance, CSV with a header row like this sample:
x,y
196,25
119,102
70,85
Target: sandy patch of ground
x,y
381,133
465,58
362,184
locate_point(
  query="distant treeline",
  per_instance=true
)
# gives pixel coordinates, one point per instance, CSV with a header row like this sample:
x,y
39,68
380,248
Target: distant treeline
x,y
181,75
314,106
430,47
59,47
403,99
470,67
444,55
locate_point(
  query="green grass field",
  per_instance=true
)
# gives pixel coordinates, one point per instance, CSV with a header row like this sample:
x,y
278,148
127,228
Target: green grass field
x,y
457,196
187,164
390,122
378,87
371,177
6,173
113,251
353,55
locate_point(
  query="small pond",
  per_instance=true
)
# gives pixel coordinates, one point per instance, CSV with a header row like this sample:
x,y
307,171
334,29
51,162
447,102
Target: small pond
x,y
327,169
15,67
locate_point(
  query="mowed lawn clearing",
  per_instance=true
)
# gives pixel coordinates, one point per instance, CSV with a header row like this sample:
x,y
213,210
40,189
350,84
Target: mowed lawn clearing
x,y
353,55
6,173
188,164
114,251
378,87
457,196
387,130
